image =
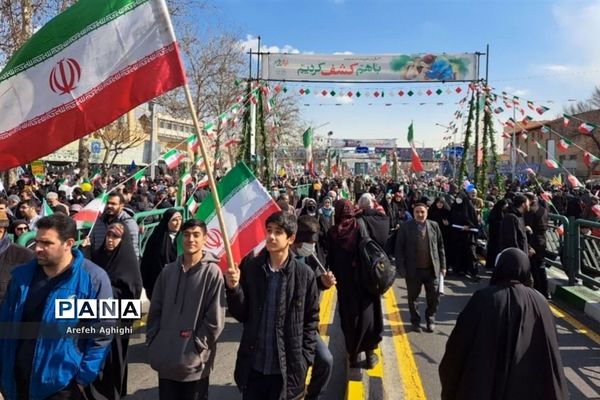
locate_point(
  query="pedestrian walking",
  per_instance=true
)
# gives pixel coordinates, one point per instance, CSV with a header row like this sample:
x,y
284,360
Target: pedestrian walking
x,y
276,298
420,253
186,317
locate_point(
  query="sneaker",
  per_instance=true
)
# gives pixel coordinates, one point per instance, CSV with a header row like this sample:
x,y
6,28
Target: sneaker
x,y
430,327
372,359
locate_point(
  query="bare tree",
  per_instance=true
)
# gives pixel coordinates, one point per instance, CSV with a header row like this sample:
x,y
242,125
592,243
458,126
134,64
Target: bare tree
x,y
593,103
118,137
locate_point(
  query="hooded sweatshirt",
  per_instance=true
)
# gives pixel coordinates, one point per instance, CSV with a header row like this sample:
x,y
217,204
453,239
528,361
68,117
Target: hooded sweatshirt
x,y
187,315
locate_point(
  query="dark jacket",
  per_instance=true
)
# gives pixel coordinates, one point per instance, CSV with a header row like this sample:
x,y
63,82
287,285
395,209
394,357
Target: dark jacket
x,y
513,231
298,318
406,246
378,225
537,219
100,227
13,256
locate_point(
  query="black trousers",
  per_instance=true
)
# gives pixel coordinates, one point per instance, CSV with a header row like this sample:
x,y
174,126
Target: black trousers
x,y
427,278
71,392
538,272
263,387
173,390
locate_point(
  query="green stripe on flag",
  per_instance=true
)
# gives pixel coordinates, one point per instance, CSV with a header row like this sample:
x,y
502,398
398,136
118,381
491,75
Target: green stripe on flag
x,y
228,186
77,21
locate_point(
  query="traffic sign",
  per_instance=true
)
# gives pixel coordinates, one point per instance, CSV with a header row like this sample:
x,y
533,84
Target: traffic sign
x,y
96,147
361,150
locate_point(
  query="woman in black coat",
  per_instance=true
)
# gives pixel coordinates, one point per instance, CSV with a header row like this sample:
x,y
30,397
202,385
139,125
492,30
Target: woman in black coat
x,y
495,232
440,213
361,314
161,248
117,257
504,344
463,214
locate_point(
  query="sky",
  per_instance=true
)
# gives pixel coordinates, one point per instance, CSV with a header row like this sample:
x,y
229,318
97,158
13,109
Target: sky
x,y
547,52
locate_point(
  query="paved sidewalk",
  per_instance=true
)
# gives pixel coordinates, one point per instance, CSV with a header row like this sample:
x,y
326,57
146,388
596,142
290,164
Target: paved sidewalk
x,y
581,297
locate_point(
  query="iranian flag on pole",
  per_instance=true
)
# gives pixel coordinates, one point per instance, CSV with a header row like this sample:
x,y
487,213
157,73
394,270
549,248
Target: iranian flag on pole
x,y
551,164
246,205
566,120
384,165
192,205
86,218
417,165
193,143
307,138
172,158
202,182
82,70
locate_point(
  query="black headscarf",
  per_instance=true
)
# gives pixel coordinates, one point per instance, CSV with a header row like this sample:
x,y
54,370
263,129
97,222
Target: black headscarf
x,y
504,343
121,265
512,267
464,213
160,250
438,214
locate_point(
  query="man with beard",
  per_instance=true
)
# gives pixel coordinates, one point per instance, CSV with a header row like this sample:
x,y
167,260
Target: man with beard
x,y
114,212
46,361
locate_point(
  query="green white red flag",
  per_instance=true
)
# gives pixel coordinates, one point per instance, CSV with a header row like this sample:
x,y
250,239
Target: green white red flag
x,y
589,159
551,164
307,139
417,165
193,143
564,144
82,70
246,205
86,218
586,128
566,120
172,158
46,210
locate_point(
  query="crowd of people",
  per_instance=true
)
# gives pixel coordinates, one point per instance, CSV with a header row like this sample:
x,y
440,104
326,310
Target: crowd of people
x,y
311,245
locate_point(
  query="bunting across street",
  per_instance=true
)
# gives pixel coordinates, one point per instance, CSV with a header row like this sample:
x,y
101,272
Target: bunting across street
x,y
81,71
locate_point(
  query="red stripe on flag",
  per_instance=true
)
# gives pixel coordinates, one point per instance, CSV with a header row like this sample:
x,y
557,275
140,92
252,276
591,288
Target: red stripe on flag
x,y
250,236
96,112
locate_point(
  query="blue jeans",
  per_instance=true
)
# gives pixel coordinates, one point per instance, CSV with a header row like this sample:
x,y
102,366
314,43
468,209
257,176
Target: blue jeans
x,y
321,371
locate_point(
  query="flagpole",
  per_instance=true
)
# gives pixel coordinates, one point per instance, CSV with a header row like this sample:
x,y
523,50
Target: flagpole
x,y
211,179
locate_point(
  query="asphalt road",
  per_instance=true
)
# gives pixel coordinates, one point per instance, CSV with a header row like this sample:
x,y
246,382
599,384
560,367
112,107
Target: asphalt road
x,y
409,368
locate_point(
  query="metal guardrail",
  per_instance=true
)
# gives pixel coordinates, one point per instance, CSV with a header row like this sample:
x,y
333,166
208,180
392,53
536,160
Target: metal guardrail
x,y
146,220
578,253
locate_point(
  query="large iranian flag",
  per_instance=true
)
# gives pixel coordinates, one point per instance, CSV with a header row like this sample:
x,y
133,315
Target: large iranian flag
x,y
246,205
82,70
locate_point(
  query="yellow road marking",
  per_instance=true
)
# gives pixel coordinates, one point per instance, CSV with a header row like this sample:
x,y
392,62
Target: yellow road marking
x,y
579,327
355,390
409,373
326,309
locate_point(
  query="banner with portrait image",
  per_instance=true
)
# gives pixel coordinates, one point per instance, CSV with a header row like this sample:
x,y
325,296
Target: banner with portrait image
x,y
423,67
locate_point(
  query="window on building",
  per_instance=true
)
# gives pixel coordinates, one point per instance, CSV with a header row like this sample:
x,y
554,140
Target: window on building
x,y
162,124
169,126
573,157
562,158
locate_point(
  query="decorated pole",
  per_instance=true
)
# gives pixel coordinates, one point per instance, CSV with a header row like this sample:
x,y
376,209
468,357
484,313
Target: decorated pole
x,y
211,180
476,149
462,172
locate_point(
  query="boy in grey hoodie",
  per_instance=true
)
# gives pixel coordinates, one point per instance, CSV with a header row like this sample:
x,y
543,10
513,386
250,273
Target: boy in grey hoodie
x,y
186,316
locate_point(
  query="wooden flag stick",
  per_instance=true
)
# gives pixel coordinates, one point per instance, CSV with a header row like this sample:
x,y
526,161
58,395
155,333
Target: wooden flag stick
x,y
211,179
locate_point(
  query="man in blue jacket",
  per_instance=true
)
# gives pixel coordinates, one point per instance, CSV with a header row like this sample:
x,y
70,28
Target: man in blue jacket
x,y
39,358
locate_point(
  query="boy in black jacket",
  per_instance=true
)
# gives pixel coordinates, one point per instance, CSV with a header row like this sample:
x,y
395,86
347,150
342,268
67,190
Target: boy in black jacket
x,y
276,297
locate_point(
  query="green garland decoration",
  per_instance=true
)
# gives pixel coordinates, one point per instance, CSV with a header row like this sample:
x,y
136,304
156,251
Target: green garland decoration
x,y
476,149
483,181
463,161
245,152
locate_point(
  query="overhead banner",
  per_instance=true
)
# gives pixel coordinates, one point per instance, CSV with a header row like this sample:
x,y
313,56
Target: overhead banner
x,y
424,67
388,143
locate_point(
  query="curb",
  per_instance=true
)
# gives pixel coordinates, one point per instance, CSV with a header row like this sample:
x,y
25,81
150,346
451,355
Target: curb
x,y
581,298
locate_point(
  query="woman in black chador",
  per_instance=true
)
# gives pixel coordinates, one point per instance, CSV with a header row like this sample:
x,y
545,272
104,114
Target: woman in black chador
x,y
504,344
117,257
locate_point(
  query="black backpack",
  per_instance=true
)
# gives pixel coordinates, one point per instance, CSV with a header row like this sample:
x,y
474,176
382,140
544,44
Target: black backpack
x,y
377,272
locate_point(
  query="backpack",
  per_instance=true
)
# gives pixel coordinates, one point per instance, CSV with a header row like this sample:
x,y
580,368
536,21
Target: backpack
x,y
377,272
